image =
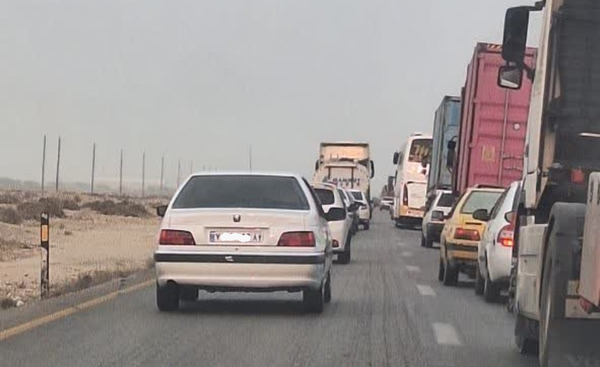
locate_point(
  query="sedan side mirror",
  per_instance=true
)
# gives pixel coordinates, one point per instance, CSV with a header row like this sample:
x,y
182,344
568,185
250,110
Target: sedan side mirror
x,y
353,207
438,215
482,215
335,214
161,210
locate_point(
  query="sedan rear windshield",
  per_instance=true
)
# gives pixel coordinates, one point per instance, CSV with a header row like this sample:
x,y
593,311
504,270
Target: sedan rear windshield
x,y
446,201
480,200
244,191
325,196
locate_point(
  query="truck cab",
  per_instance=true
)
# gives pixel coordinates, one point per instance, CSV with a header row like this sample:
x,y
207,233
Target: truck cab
x,y
557,260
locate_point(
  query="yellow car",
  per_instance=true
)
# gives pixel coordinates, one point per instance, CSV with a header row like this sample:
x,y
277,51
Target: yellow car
x,y
462,233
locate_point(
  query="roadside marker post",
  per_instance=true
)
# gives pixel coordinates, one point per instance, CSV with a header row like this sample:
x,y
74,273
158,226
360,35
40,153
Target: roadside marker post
x,y
45,245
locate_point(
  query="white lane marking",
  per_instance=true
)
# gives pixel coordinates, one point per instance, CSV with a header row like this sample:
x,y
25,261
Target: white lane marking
x,y
413,269
407,254
425,290
445,334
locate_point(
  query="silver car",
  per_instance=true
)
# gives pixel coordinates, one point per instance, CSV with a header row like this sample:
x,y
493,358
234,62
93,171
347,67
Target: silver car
x,y
244,232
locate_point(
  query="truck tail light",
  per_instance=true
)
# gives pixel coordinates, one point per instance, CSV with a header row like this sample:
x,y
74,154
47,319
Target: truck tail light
x,y
297,239
506,236
336,243
405,196
176,238
466,234
577,176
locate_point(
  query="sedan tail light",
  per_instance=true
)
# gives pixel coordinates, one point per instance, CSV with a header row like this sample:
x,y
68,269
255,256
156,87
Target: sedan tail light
x,y
466,234
506,236
297,239
176,238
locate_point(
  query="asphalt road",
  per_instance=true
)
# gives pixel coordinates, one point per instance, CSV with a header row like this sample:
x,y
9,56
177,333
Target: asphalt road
x,y
388,309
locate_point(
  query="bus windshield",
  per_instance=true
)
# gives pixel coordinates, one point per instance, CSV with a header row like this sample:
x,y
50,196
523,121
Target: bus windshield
x,y
419,150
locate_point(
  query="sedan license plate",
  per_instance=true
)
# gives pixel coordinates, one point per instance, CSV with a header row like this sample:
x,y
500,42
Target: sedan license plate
x,y
236,236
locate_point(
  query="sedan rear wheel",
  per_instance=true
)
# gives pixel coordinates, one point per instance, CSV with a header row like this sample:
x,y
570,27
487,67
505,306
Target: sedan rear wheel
x,y
314,299
167,297
479,282
327,291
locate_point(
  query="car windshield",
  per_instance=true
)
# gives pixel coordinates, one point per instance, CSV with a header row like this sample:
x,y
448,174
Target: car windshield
x,y
446,201
480,200
229,191
326,196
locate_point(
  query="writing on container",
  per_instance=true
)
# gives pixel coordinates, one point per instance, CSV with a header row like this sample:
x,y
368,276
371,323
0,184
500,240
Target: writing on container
x,y
345,181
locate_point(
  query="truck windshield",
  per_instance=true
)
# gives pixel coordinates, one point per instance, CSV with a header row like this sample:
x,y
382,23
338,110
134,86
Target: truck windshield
x,y
480,200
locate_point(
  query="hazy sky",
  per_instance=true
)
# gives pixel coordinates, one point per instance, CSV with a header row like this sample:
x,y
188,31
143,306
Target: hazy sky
x,y
202,80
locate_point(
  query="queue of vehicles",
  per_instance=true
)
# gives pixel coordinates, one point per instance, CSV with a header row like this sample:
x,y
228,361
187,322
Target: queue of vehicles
x,y
522,163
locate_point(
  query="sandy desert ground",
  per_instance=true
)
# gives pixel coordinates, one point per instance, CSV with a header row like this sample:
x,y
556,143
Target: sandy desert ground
x,y
86,246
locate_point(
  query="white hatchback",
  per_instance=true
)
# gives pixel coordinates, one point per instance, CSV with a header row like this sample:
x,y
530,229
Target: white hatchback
x,y
243,232
496,245
340,223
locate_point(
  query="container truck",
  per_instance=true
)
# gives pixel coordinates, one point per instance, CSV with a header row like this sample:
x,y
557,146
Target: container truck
x,y
557,223
347,165
445,130
490,145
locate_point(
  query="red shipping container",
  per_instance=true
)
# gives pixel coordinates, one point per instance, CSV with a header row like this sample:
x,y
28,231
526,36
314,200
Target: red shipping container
x,y
493,126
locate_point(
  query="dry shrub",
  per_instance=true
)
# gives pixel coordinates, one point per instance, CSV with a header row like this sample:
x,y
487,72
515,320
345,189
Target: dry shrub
x,y
70,204
90,279
120,208
33,210
9,199
10,216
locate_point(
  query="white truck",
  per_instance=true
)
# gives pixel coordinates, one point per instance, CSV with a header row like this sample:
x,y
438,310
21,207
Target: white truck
x,y
556,272
347,165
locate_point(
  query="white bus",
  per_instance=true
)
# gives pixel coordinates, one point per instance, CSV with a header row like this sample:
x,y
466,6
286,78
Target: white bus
x,y
410,190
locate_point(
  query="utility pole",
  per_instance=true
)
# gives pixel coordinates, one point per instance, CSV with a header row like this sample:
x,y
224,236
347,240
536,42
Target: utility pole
x,y
162,174
121,175
58,165
43,165
250,156
178,172
144,174
93,168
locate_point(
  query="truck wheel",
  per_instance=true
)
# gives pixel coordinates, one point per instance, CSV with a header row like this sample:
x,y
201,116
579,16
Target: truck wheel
x,y
512,285
423,240
167,297
526,333
479,282
555,331
450,275
441,270
366,226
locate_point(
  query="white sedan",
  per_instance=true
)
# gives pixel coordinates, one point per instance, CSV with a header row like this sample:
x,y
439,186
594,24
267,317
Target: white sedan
x,y
340,223
243,232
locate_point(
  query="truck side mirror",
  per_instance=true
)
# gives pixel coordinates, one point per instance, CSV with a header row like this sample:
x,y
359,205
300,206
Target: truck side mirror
x,y
317,165
516,24
372,169
510,76
395,159
451,154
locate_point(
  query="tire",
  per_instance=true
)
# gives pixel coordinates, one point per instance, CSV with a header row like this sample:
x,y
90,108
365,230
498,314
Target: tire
x,y
423,240
188,293
566,226
491,291
441,270
366,226
428,243
526,332
314,299
167,297
450,275
345,257
479,281
327,290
